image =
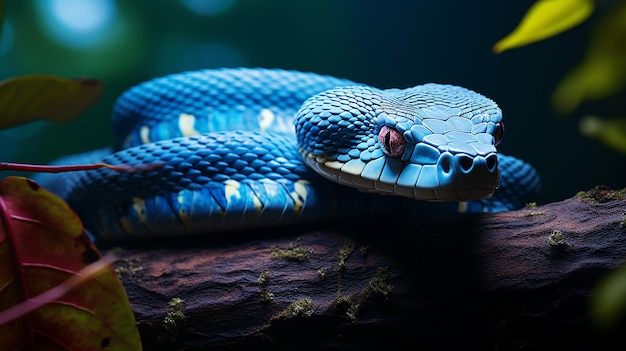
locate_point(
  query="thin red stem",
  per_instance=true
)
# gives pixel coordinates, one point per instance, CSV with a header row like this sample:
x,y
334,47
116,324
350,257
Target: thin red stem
x,y
6,166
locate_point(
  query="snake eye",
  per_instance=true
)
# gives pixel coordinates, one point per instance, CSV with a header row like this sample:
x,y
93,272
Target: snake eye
x,y
392,141
498,133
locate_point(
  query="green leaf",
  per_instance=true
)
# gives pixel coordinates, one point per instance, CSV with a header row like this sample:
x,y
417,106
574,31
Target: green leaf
x,y
545,19
28,98
42,247
608,303
612,132
602,72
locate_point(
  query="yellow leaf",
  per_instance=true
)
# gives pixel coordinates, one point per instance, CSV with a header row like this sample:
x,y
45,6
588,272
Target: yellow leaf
x,y
545,19
28,98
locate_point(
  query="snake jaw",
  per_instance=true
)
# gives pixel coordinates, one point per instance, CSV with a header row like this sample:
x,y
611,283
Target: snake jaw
x,y
448,180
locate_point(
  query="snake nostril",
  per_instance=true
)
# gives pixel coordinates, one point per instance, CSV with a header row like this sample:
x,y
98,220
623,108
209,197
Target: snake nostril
x,y
466,163
492,162
445,164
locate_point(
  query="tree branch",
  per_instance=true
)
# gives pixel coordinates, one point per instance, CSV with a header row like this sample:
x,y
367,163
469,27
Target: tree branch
x,y
517,279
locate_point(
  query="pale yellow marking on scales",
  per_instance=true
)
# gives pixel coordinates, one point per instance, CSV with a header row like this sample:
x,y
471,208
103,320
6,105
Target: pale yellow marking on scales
x,y
266,118
186,124
182,215
140,208
257,203
144,133
231,192
299,194
462,207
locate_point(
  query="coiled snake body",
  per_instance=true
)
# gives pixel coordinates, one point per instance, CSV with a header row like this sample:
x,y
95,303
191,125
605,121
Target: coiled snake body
x,y
247,148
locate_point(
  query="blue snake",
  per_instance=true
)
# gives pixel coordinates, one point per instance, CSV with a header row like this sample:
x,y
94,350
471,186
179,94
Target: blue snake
x,y
251,148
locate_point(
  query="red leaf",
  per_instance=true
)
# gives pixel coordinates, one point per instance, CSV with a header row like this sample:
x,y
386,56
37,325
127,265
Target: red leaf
x,y
42,244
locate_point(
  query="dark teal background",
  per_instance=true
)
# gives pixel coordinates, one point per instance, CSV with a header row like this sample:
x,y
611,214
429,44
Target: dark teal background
x,y
389,43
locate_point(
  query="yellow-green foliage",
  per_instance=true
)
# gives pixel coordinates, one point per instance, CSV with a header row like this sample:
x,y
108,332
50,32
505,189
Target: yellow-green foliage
x,y
345,251
608,303
545,19
601,73
267,296
380,283
300,308
173,319
612,132
556,239
264,277
297,253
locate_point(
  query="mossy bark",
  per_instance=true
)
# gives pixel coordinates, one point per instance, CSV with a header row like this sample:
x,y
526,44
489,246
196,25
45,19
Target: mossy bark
x,y
519,279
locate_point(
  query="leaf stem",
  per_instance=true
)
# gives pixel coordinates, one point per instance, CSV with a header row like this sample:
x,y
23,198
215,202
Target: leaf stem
x,y
7,166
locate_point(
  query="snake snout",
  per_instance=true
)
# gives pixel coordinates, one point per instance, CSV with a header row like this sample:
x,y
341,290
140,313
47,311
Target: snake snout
x,y
464,178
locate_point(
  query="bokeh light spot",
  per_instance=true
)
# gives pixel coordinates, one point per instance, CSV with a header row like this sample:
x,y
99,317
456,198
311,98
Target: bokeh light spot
x,y
208,7
6,41
77,23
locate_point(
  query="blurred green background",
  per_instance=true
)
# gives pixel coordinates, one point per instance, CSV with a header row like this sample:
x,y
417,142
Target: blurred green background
x,y
391,43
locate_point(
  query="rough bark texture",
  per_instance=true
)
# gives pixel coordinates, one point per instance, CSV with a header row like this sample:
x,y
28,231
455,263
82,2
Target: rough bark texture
x,y
515,280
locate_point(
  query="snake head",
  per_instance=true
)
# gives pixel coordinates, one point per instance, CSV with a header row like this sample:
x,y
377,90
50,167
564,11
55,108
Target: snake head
x,y
432,142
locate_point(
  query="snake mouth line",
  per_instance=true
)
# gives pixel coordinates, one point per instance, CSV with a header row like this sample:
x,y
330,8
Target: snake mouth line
x,y
438,186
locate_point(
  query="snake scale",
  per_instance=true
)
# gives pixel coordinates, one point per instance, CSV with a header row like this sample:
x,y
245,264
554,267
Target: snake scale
x,y
250,148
